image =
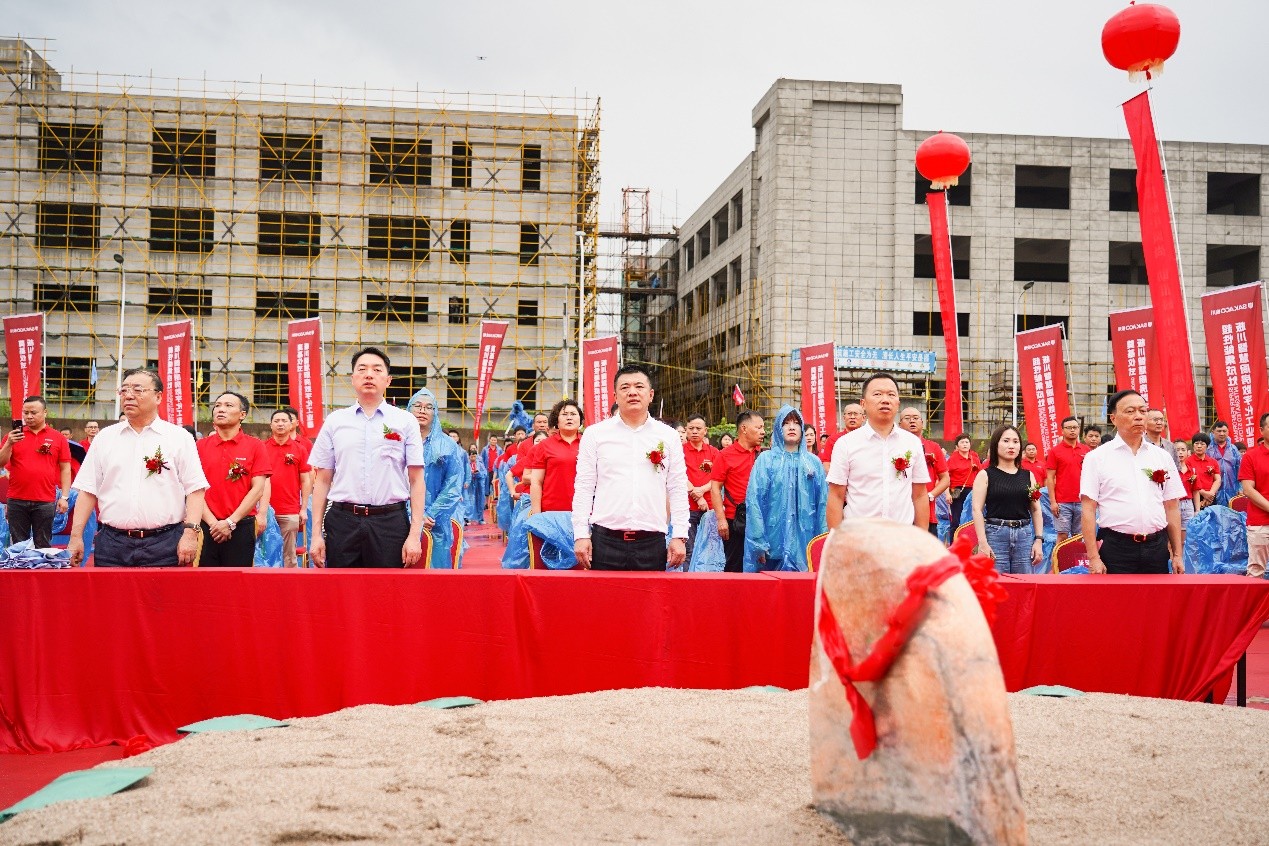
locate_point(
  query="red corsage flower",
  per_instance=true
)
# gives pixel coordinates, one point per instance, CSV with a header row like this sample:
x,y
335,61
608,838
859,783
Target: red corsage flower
x,y
1034,492
902,463
657,456
1156,476
289,459
236,472
45,449
389,435
706,466
154,464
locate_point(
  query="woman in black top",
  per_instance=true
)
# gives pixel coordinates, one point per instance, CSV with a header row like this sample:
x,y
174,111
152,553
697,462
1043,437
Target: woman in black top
x,y
1006,515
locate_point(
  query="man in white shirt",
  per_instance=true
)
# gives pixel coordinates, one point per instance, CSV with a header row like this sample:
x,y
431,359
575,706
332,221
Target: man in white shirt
x,y
628,467
144,478
879,470
367,461
1131,489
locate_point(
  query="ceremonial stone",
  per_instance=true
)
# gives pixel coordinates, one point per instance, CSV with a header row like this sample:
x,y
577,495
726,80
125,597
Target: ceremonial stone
x,y
944,769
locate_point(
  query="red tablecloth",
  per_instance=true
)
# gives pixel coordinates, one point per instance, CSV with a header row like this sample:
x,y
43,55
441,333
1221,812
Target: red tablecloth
x,y
92,657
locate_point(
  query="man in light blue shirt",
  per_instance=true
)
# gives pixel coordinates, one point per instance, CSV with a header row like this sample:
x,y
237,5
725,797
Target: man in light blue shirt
x,y
368,460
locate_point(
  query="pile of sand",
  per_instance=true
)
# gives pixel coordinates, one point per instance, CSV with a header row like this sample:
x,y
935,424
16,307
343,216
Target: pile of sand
x,y
664,766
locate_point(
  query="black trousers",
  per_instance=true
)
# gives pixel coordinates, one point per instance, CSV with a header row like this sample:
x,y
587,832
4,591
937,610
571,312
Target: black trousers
x,y
29,519
113,548
610,552
1124,556
238,551
734,547
371,540
958,504
693,523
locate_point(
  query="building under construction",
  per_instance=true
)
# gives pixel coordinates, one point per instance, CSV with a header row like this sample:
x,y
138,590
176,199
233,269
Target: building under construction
x,y
401,218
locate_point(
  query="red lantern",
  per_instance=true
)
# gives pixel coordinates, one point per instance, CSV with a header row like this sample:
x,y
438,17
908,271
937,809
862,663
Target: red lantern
x,y
942,159
1141,38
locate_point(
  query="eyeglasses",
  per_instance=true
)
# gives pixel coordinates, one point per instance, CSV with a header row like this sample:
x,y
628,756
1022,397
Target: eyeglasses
x,y
132,390
418,408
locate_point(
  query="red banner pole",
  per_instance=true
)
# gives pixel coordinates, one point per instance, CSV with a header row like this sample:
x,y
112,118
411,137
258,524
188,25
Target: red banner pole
x,y
492,334
304,372
173,351
1234,328
24,346
599,364
941,240
1044,394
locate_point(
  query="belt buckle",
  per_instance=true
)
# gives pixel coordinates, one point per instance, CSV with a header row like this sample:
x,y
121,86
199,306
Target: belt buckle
x,y
628,535
1140,538
136,534
361,510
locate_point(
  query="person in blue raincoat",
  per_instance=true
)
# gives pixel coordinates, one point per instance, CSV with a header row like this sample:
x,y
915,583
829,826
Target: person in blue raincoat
x,y
478,489
443,472
786,499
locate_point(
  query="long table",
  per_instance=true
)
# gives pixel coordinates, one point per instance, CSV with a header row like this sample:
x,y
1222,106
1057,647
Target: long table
x,y
93,657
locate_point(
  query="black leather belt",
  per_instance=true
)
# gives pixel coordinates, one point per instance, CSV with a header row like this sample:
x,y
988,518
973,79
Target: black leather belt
x,y
143,533
367,510
1011,524
625,535
1134,537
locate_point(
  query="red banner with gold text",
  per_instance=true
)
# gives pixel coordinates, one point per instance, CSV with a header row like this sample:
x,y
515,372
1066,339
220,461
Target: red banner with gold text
x,y
175,346
1172,332
599,368
24,347
492,334
1133,350
819,392
1234,327
941,241
304,372
1042,378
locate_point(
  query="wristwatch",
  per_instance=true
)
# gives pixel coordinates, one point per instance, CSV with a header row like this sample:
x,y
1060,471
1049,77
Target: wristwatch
x,y
231,524
197,528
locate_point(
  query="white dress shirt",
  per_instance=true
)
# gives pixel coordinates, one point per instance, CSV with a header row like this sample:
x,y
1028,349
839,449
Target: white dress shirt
x,y
617,487
369,469
863,461
1127,501
128,496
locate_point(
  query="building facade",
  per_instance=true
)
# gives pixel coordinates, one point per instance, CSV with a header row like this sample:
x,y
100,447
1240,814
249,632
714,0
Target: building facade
x,y
401,219
825,236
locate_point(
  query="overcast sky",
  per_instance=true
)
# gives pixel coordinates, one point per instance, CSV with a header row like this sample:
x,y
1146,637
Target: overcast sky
x,y
678,79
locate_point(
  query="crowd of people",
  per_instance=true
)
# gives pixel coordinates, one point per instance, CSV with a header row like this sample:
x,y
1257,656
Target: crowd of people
x,y
388,486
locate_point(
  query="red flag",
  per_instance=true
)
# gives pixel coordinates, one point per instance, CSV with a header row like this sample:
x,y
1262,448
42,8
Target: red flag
x,y
304,371
1235,335
941,240
174,369
492,334
1042,376
599,365
1172,332
1134,351
819,406
737,397
24,345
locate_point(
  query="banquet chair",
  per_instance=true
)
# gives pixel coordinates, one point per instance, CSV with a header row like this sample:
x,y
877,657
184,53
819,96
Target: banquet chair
x,y
456,546
425,560
963,527
1240,503
535,552
1070,553
814,550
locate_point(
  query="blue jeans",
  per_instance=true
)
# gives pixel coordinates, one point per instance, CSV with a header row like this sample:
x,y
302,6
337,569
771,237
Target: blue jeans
x,y
1012,547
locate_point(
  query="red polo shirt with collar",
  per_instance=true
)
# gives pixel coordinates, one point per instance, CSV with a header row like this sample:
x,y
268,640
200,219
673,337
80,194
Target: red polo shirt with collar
x,y
935,461
732,469
218,456
1255,469
826,451
1036,469
1066,462
287,461
557,459
961,471
34,475
700,469
1206,468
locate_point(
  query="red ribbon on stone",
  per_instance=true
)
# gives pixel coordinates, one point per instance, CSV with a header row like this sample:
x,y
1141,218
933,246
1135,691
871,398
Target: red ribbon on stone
x,y
899,627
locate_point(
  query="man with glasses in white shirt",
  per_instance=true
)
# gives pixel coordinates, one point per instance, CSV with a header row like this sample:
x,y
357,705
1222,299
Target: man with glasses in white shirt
x,y
144,478
628,468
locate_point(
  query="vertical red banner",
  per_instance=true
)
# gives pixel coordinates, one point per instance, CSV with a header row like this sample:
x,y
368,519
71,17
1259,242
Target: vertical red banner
x,y
492,334
1234,328
175,371
1134,351
24,347
1172,333
819,394
941,241
304,372
1042,377
599,367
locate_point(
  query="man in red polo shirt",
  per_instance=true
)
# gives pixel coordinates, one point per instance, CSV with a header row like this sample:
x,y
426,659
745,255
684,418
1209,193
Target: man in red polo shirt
x,y
91,428
237,468
1063,465
1207,469
290,484
297,431
700,456
39,461
1253,478
552,464
913,420
853,418
730,482
1032,464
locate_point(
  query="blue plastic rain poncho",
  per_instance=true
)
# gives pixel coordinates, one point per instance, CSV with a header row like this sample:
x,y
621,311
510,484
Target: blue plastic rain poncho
x,y
504,506
785,504
519,418
443,464
1229,460
477,490
1216,542
516,555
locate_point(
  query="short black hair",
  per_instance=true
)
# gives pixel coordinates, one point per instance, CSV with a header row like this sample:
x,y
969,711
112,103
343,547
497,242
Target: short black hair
x,y
553,418
291,410
1220,423
1092,428
519,429
278,411
747,414
1263,418
629,369
964,436
1112,404
371,351
1067,419
242,401
881,374
1201,438
154,377
36,398
543,414
696,415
